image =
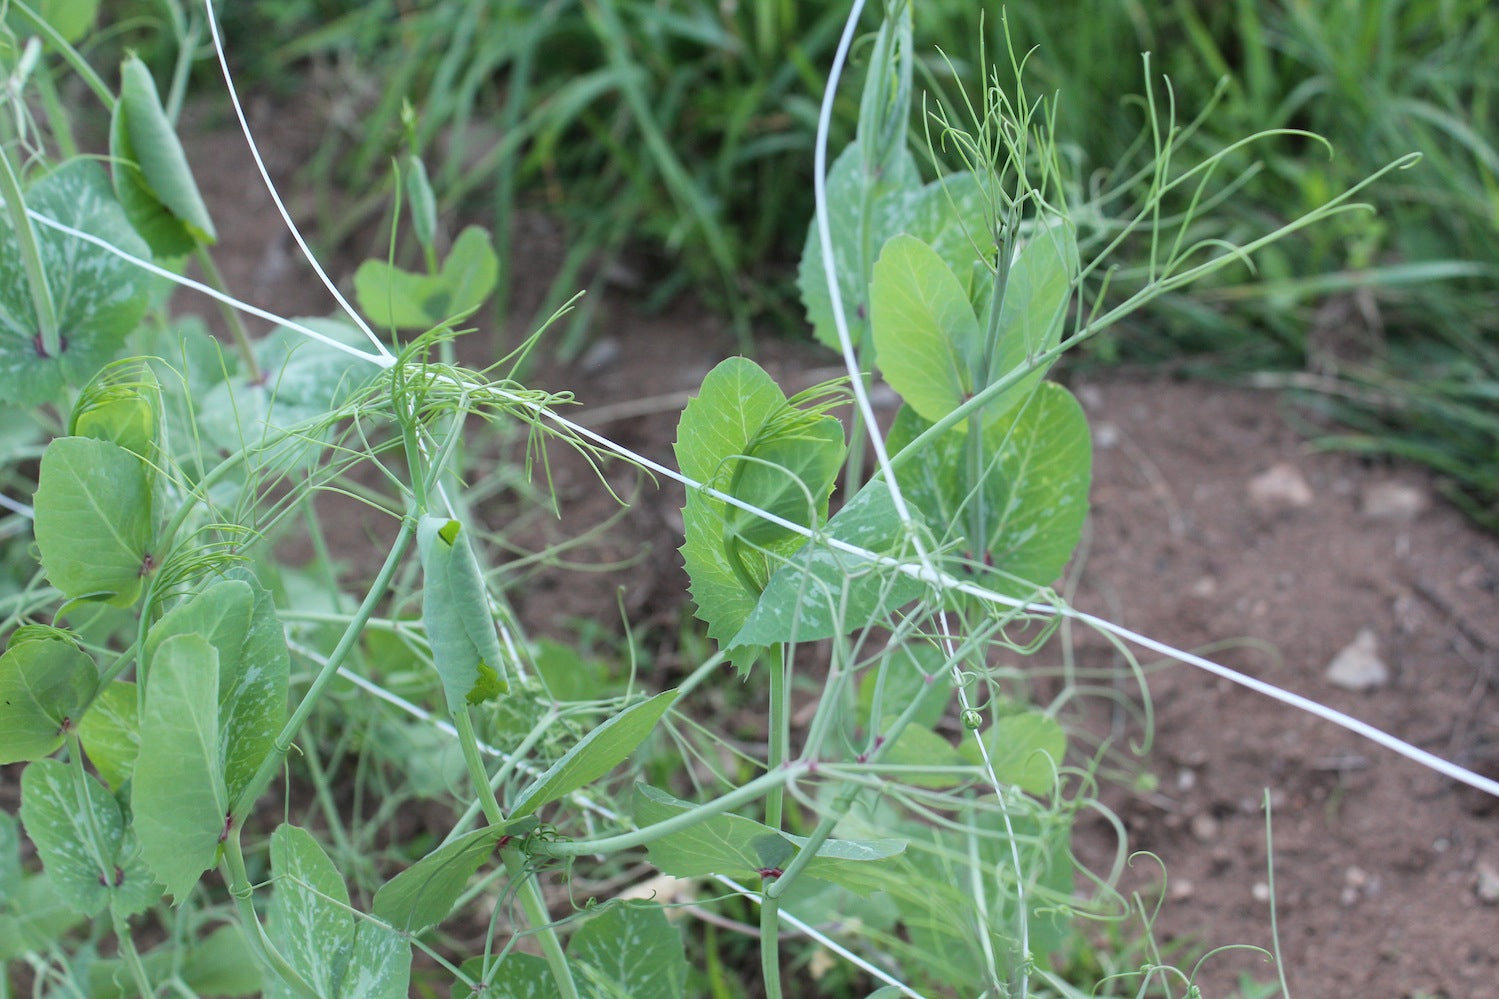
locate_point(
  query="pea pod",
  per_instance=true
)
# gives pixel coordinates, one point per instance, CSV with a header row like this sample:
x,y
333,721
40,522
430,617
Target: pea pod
x,y
455,612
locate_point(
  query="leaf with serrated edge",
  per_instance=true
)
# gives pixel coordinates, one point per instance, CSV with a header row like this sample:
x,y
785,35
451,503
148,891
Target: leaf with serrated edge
x,y
64,835
177,793
599,752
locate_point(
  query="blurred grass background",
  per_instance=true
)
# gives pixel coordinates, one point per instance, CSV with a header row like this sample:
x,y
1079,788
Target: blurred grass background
x,y
678,133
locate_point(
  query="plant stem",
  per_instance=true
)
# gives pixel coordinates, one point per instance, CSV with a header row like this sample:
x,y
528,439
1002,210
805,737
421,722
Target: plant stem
x,y
49,343
265,951
129,956
536,912
780,735
649,834
476,772
770,945
325,676
231,316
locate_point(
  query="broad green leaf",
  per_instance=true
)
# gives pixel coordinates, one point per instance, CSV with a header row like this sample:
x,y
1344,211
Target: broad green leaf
x,y
399,299
519,976
71,18
927,339
456,616
599,752
10,856
823,590
152,177
860,221
177,792
742,848
99,297
255,709
93,520
111,732
920,746
633,948
220,614
77,826
423,894
309,919
1032,489
733,434
1025,749
337,952
34,918
902,680
221,964
44,679
303,380
238,619
1033,311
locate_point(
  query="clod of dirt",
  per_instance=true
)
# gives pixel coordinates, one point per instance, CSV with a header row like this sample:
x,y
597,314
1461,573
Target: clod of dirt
x,y
1487,888
1358,666
1280,487
1394,501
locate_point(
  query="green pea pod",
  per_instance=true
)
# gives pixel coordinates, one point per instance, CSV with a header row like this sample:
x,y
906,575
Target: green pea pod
x,y
152,178
455,612
421,200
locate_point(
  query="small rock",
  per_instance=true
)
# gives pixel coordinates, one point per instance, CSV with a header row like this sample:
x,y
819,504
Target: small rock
x,y
1181,889
1105,435
1280,487
1260,891
1204,588
601,354
1358,666
1204,827
1186,779
1488,883
1393,501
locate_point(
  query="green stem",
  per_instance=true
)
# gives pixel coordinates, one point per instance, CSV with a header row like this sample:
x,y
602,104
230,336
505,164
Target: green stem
x,y
260,945
536,912
129,956
216,281
74,58
49,343
649,834
351,635
770,946
476,772
779,736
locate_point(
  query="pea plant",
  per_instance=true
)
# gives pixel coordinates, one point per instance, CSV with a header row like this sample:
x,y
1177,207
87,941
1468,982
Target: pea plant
x,y
218,750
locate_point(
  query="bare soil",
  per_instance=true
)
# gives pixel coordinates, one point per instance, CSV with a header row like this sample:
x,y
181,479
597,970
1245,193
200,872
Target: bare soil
x,y
1379,865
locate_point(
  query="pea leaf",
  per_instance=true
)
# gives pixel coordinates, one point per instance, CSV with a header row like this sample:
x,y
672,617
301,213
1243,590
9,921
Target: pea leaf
x,y
99,297
1025,749
44,679
336,952
599,752
822,590
634,949
400,299
111,732
69,817
178,793
93,520
71,18
742,848
859,227
1033,311
1032,487
423,894
741,435
926,336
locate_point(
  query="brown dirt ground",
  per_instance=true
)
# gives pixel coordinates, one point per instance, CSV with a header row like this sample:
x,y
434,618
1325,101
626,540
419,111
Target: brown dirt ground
x,y
1376,861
